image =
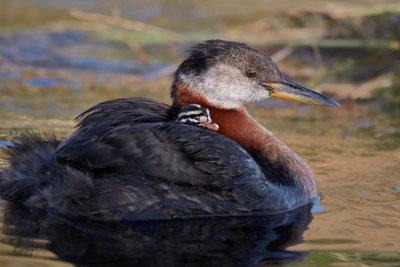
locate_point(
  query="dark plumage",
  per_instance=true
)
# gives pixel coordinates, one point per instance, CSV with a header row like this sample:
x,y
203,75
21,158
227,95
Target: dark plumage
x,y
130,160
137,165
209,53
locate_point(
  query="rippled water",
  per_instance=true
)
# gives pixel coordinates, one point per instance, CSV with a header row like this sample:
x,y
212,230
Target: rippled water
x,y
49,77
353,150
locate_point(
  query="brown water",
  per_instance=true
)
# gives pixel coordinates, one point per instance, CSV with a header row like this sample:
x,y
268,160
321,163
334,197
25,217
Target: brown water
x,y
47,77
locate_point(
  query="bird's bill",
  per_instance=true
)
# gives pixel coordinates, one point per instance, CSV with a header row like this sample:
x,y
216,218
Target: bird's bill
x,y
292,91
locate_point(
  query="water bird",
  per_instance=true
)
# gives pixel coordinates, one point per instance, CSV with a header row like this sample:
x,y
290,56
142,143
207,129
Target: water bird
x,y
205,155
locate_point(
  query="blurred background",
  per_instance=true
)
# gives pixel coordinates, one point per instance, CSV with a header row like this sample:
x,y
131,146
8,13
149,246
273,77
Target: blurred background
x,y
349,49
57,58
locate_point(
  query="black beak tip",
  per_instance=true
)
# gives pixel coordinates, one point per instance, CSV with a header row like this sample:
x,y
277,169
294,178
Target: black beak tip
x,y
333,103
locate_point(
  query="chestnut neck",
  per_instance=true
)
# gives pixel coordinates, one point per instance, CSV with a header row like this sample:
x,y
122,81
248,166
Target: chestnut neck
x,y
280,164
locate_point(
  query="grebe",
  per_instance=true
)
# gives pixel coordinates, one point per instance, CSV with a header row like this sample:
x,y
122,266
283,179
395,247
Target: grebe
x,y
139,159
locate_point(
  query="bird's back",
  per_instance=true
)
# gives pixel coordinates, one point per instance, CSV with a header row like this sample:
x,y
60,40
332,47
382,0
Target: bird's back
x,y
129,160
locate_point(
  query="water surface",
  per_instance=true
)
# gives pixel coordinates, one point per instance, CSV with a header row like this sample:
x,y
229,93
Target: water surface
x,y
47,77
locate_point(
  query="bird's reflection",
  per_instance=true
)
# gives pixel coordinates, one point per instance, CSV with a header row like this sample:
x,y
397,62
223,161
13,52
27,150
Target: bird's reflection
x,y
231,241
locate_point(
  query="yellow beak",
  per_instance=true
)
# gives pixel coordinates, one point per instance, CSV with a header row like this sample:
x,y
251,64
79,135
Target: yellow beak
x,y
295,92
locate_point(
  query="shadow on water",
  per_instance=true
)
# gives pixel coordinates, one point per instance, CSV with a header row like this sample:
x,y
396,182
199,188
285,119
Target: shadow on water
x,y
201,242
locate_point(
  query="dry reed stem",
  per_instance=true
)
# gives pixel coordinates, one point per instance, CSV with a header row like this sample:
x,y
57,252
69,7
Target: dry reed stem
x,y
126,24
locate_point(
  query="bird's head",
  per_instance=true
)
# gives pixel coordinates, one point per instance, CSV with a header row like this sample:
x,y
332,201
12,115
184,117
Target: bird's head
x,y
227,75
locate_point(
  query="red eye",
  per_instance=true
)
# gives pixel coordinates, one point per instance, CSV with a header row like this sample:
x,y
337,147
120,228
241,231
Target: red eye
x,y
251,73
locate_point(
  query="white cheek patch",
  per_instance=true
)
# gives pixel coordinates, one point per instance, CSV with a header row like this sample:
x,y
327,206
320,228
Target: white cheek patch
x,y
225,87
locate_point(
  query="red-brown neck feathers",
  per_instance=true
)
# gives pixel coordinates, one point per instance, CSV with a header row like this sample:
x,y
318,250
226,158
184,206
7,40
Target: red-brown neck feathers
x,y
229,121
277,160
236,124
183,96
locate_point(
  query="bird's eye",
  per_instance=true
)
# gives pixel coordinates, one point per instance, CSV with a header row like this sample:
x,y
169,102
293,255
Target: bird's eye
x,y
251,73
